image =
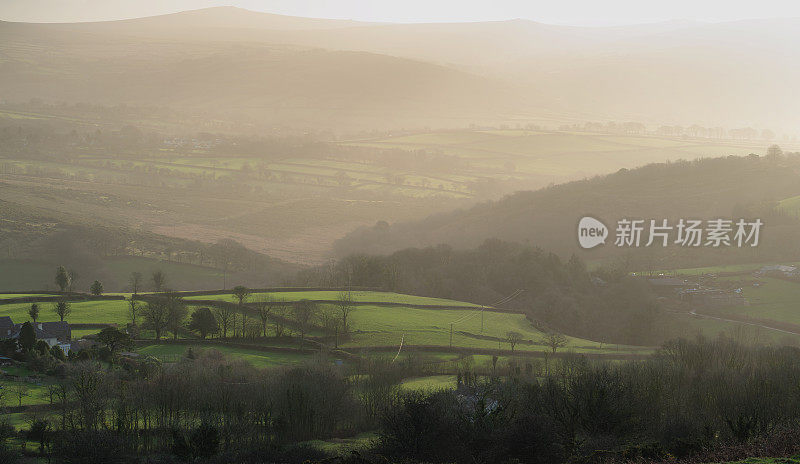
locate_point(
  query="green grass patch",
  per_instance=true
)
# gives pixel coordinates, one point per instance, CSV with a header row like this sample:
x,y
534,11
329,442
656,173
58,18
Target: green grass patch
x,y
430,383
83,312
774,299
261,359
379,297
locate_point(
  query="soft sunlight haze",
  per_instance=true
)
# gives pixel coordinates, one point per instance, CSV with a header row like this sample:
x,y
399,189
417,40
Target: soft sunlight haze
x,y
574,12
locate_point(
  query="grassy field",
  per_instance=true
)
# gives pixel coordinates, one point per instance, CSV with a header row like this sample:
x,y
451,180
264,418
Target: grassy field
x,y
83,312
23,275
434,382
380,326
171,353
774,299
382,297
371,325
790,460
9,296
555,153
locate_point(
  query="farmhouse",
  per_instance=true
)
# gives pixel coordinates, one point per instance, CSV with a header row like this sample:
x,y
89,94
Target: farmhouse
x,y
53,333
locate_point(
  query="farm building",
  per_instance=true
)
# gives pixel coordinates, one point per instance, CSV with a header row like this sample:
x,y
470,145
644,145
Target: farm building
x,y
53,333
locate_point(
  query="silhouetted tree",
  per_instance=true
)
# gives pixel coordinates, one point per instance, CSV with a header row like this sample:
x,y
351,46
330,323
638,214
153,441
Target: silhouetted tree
x,y
27,336
135,282
96,288
513,337
62,308
62,278
203,322
156,317
33,312
159,280
555,340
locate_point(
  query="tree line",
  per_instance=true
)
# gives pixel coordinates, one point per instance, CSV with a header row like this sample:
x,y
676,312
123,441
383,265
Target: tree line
x,y
605,305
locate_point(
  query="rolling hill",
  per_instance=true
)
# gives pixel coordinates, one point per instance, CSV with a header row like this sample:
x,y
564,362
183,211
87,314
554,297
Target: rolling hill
x,y
733,73
288,85
344,74
730,187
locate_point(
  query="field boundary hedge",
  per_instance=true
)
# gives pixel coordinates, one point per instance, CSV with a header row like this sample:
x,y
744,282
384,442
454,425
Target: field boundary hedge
x,y
72,297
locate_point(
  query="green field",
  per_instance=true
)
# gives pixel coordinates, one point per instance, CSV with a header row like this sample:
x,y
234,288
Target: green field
x,y
83,312
434,382
381,326
774,299
23,275
379,297
790,460
36,393
10,296
262,359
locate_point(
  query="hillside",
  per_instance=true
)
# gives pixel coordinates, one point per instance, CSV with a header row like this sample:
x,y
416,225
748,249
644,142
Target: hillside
x,y
559,73
273,83
730,187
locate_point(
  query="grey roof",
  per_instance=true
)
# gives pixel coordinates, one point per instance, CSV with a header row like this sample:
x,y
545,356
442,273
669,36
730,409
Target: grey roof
x,y
6,324
59,330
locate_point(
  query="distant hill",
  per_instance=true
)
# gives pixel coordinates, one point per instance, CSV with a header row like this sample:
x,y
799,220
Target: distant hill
x,y
281,84
734,74
731,187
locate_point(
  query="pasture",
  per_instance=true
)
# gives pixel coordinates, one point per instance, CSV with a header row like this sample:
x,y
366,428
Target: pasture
x,y
774,299
260,359
331,295
83,312
557,154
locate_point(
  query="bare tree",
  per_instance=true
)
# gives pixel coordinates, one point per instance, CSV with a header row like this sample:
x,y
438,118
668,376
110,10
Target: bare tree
x,y
224,315
135,282
264,307
20,392
304,311
159,280
344,304
62,308
134,309
513,338
241,293
176,314
156,316
554,341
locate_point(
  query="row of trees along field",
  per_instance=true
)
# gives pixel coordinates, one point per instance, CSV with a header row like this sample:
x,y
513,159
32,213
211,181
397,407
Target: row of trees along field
x,y
605,305
700,401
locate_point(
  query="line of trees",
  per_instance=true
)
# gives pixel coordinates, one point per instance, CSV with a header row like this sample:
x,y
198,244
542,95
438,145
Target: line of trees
x,y
168,312
695,401
605,304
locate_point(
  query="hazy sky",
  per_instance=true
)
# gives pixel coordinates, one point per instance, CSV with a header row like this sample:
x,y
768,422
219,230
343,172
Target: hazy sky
x,y
577,12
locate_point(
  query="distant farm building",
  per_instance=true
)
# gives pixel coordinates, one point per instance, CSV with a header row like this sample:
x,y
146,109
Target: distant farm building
x,y
53,333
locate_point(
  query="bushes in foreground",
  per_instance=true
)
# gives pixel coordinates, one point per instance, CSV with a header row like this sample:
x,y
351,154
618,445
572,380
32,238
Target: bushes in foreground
x,y
689,399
